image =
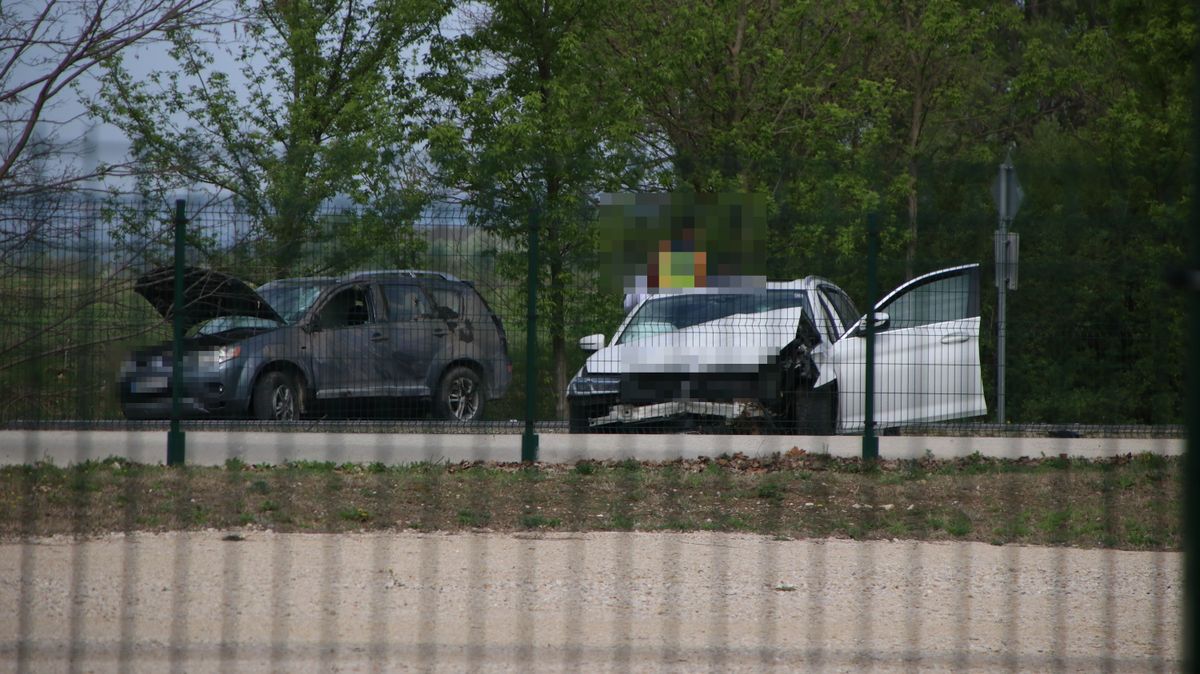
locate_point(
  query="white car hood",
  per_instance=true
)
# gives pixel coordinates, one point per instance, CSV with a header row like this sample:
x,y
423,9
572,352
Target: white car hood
x,y
737,343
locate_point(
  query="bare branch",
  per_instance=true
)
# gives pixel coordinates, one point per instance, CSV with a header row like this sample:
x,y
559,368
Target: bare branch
x,y
53,48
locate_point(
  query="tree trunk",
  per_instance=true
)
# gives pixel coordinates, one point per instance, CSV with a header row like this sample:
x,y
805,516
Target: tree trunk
x,y
558,349
914,144
910,255
558,306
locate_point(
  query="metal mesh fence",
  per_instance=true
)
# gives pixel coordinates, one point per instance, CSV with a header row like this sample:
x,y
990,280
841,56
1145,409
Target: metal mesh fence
x,y
1092,345
699,503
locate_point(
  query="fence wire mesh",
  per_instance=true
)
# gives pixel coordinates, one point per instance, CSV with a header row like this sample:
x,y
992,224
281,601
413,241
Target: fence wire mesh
x,y
352,396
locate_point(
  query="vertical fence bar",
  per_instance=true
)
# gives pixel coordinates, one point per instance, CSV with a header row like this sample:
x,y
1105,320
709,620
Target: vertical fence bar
x,y
1191,459
84,262
529,440
870,443
175,436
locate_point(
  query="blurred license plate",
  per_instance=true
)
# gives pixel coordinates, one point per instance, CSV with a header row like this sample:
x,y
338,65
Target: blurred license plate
x,y
147,385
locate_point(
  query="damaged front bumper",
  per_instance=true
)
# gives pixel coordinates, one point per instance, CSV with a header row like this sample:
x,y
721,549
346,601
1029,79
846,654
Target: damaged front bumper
x,y
633,414
604,402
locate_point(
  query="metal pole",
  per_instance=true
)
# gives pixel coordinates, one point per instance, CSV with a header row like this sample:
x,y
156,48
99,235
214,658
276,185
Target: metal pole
x,y
870,443
529,440
1191,458
175,436
1001,310
1002,275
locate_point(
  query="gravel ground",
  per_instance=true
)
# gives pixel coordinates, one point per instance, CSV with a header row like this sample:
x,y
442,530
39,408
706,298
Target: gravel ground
x,y
196,602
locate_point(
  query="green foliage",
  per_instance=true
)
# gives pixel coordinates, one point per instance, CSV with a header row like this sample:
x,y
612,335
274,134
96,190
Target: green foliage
x,y
957,523
528,136
355,514
539,522
473,518
771,489
832,110
318,107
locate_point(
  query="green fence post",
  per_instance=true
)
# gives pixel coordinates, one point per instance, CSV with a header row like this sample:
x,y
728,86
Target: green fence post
x,y
529,440
175,436
1191,456
870,443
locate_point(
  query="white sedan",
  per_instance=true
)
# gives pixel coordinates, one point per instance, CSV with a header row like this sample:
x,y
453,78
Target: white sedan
x,y
793,352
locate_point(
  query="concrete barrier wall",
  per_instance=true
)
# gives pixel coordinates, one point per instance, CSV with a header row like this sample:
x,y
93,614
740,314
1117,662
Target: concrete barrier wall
x,y
213,448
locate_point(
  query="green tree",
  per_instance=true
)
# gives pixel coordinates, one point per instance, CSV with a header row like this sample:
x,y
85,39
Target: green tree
x,y
319,107
946,62
1107,90
835,110
765,97
527,134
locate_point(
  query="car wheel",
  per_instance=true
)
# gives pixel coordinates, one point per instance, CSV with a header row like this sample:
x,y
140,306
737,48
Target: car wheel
x,y
276,397
580,412
460,395
577,417
816,411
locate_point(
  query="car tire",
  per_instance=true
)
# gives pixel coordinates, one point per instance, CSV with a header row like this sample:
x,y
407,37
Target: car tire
x,y
581,411
815,411
577,417
460,395
276,397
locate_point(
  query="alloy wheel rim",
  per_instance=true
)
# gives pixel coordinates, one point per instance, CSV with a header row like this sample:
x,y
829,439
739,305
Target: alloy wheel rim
x,y
283,403
463,398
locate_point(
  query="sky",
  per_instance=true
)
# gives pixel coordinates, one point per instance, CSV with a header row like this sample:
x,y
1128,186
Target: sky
x,y
66,120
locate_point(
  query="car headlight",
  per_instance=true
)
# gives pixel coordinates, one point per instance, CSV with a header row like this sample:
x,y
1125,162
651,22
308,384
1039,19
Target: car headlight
x,y
226,353
585,384
219,356
128,365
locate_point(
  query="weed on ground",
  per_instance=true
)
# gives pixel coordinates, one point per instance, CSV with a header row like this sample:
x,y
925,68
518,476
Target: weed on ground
x,y
1126,502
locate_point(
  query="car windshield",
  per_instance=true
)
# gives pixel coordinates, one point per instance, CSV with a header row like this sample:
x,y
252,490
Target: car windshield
x,y
289,299
676,312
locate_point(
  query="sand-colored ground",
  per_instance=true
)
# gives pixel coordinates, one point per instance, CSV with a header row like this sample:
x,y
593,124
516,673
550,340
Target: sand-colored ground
x,y
195,602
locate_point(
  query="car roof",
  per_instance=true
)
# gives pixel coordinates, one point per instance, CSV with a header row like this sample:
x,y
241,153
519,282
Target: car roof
x,y
377,274
806,283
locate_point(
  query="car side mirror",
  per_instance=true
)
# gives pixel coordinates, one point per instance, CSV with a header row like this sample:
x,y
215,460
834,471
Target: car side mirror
x,y
881,322
313,326
592,343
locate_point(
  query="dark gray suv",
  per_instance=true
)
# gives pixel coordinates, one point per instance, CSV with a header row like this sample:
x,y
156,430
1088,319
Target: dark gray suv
x,y
296,345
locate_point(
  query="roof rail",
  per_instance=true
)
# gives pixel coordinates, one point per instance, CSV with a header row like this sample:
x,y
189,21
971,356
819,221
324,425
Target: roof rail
x,y
411,273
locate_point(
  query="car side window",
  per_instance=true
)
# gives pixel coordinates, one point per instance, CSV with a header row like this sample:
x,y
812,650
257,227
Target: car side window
x,y
936,301
824,322
350,306
451,300
842,304
406,302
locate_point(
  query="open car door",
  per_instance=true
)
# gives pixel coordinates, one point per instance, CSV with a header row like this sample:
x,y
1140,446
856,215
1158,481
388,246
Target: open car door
x,y
927,364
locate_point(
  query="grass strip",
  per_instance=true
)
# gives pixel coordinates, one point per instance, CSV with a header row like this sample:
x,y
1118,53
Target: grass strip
x,y
1125,502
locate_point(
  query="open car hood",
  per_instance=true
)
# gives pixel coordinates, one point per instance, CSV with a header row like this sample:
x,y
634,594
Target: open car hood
x,y
207,294
737,343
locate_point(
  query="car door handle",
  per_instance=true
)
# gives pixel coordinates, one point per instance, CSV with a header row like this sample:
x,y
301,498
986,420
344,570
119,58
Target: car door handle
x,y
379,337
956,338
440,332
